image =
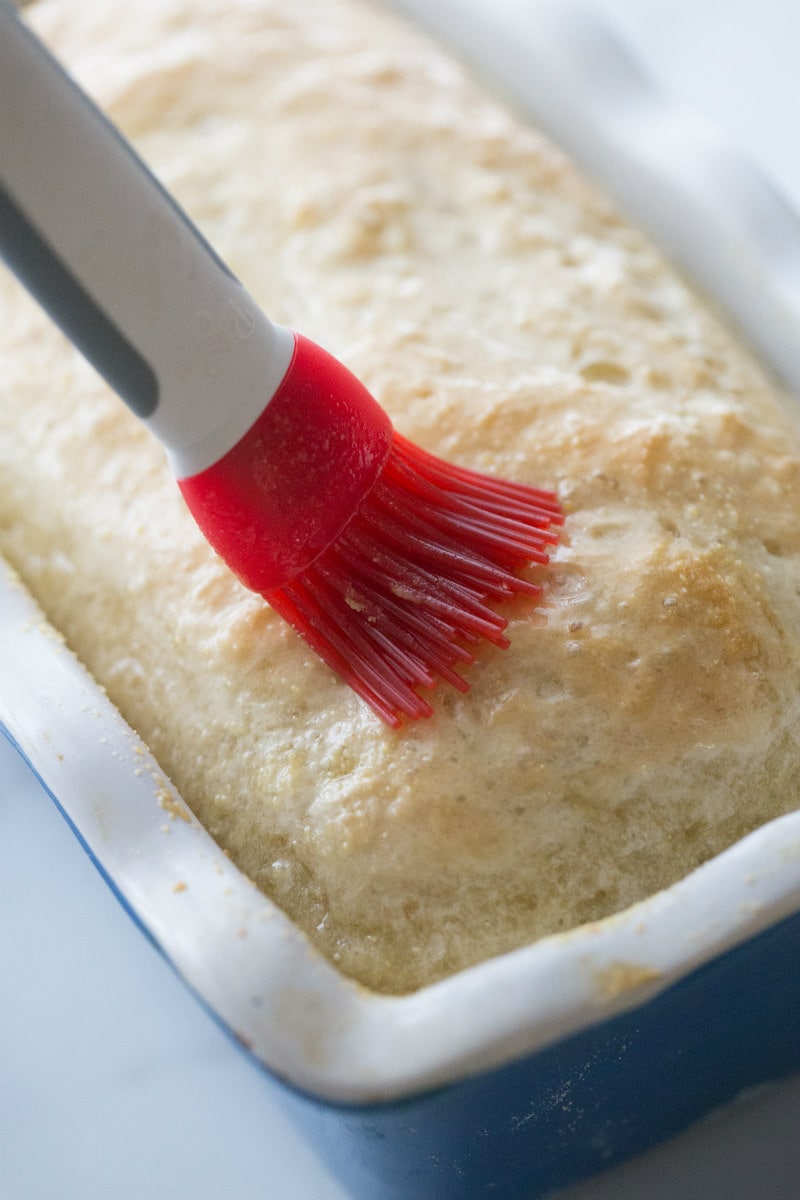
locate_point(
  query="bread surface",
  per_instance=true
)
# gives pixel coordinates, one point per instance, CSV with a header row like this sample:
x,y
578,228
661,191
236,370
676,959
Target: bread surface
x,y
371,195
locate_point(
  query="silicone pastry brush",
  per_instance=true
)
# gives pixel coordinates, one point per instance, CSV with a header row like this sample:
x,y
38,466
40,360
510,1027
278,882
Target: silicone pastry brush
x,y
387,560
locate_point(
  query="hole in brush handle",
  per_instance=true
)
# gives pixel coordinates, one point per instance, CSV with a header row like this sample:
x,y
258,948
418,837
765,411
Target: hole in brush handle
x,y
46,277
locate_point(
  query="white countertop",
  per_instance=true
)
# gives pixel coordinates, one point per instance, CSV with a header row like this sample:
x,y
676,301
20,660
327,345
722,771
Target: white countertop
x,y
114,1081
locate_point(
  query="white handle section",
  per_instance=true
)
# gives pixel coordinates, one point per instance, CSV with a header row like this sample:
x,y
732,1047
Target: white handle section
x,y
91,207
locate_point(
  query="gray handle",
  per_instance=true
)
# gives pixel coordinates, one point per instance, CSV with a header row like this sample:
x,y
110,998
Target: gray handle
x,y
104,248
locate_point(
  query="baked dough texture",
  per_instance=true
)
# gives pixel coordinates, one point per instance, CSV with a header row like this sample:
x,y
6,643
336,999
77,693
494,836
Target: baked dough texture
x,y
371,195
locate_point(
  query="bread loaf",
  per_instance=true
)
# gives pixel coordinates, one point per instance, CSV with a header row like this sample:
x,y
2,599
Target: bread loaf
x,y
370,194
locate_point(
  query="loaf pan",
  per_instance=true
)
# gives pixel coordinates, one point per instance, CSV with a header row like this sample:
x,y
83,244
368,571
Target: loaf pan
x,y
532,1071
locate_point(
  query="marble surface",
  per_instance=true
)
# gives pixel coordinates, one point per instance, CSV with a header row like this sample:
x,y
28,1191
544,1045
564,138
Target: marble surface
x,y
113,1079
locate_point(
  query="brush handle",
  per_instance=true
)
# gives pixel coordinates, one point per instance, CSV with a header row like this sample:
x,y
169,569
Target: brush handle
x,y
117,264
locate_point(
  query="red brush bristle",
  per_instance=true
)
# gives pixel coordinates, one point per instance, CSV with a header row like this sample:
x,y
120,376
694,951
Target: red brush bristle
x,y
412,577
386,559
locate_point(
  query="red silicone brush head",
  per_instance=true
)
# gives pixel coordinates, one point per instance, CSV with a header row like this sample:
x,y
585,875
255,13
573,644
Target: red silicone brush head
x,y
386,559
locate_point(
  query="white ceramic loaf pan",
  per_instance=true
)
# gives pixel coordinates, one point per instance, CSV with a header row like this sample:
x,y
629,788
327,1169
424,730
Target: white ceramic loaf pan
x,y
534,1070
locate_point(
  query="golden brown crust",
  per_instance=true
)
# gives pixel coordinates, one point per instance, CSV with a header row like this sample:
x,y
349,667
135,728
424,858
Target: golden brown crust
x,y
372,196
